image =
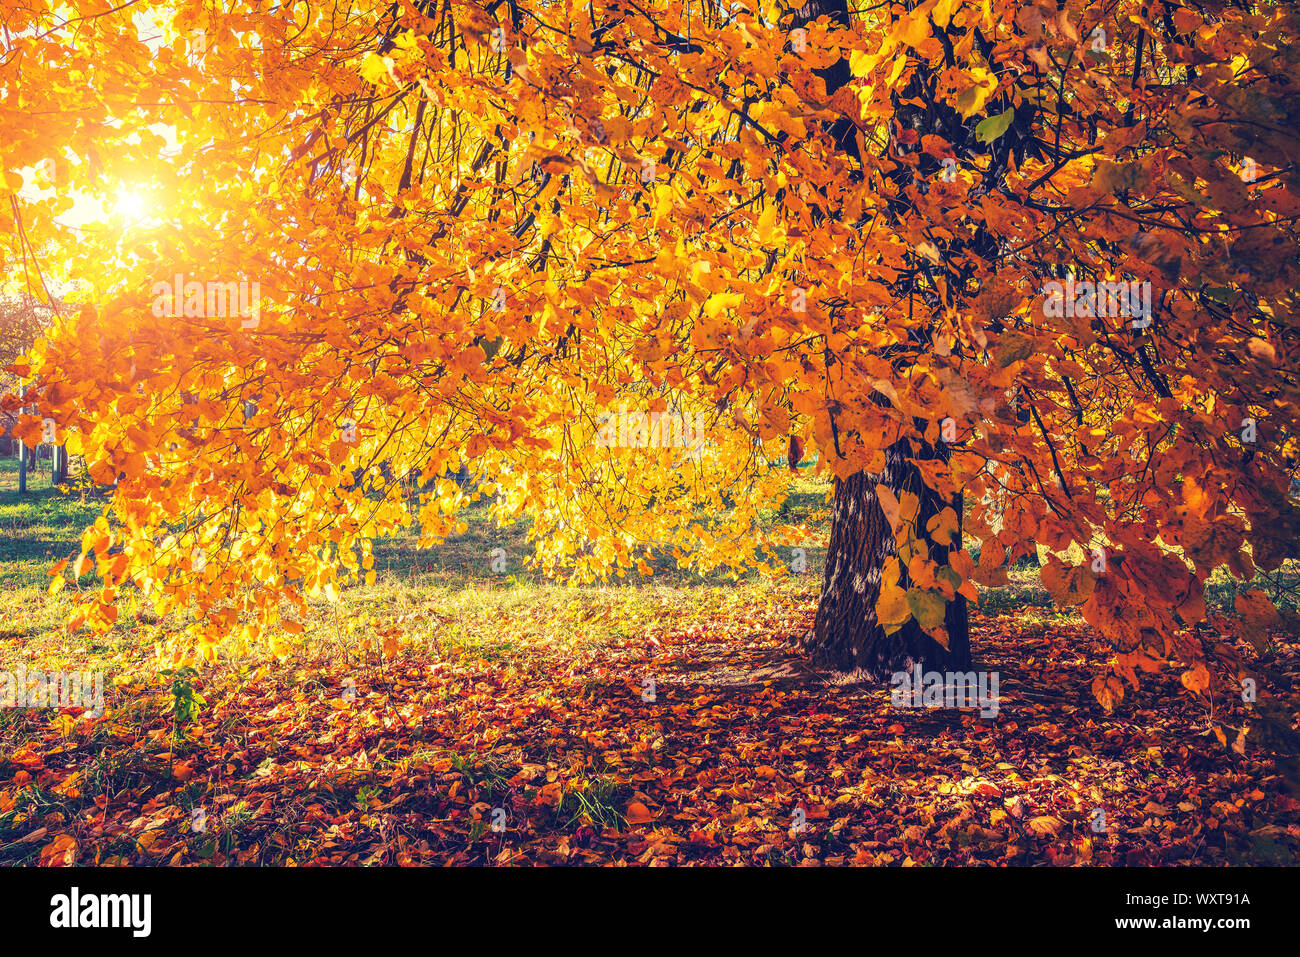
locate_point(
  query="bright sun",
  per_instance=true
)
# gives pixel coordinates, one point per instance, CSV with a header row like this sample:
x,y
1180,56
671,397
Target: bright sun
x,y
131,206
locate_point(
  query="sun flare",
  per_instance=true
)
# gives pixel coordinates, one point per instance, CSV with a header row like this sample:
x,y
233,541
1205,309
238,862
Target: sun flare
x,y
131,206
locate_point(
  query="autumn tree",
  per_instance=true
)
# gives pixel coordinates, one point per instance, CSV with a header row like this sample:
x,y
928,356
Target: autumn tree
x,y
22,320
1019,277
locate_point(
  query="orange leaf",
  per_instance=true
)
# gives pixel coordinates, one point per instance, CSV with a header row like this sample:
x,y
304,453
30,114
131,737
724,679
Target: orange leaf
x,y
60,852
638,813
1196,679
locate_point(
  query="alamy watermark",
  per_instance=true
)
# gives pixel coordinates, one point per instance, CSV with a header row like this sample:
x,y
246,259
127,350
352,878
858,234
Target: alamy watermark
x,y
1098,300
650,430
75,910
53,689
192,299
946,689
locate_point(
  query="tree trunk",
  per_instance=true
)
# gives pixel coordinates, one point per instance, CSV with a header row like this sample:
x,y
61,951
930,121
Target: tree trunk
x,y
846,635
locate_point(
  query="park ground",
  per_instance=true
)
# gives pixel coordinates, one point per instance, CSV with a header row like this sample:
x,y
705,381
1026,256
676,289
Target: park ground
x,y
448,714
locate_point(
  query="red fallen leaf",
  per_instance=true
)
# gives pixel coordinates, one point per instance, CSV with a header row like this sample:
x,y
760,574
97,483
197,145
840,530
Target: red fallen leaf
x,y
182,772
638,813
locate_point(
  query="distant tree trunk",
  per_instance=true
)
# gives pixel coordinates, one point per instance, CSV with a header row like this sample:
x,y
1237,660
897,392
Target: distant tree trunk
x,y
58,464
845,634
22,448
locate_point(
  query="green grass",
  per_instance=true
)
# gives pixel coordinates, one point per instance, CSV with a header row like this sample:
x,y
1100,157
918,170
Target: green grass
x,y
40,527
36,531
597,804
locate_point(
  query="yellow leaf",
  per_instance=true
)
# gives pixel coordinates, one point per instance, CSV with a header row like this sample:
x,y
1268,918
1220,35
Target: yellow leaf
x,y
1044,826
892,609
971,100
942,528
927,607
943,12
722,301
916,30
663,203
373,68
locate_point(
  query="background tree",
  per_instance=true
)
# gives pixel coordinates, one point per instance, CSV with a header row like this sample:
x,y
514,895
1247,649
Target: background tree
x,y
22,320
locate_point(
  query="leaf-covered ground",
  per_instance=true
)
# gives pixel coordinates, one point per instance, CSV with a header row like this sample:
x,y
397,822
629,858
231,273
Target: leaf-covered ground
x,y
406,760
435,719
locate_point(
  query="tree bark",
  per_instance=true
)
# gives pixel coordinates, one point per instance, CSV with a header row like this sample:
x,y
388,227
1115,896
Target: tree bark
x,y
846,635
